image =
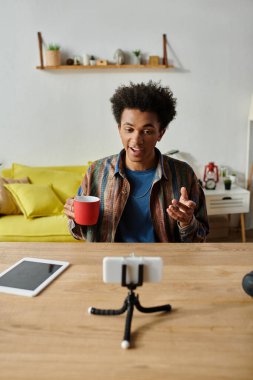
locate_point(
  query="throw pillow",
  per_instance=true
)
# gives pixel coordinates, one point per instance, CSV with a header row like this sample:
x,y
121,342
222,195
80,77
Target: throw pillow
x,y
64,183
8,206
35,200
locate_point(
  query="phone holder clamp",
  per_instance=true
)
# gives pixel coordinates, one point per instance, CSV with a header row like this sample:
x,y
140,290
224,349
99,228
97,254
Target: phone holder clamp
x,y
131,301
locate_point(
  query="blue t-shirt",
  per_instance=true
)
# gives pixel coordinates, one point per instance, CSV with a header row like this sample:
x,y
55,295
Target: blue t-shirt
x,y
136,224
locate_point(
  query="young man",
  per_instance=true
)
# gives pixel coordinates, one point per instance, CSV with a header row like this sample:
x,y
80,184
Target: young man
x,y
145,196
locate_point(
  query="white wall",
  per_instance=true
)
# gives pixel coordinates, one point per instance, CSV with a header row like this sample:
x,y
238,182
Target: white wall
x,y
65,117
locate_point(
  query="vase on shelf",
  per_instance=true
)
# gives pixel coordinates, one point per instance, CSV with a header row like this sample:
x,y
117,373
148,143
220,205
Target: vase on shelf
x,y
53,58
53,55
86,59
136,57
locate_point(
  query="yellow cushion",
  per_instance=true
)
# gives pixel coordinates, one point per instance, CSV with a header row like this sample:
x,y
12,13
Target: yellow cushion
x,y
64,183
35,200
6,172
8,206
71,168
47,228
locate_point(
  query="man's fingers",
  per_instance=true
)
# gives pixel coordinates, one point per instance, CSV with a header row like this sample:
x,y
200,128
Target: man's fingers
x,y
184,206
176,212
69,208
184,194
178,215
190,204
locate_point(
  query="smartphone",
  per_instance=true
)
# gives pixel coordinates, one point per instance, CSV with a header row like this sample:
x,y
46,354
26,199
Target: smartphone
x,y
112,269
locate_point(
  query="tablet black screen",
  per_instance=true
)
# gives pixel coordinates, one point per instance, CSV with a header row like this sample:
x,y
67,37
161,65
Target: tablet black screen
x,y
28,275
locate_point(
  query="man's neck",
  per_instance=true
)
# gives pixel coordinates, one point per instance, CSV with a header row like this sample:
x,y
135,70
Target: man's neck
x,y
141,166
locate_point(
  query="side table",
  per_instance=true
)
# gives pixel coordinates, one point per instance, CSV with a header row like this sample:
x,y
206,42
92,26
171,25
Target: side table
x,y
234,201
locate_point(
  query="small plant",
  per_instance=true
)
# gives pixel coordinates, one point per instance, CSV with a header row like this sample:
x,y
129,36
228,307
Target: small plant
x,y
137,53
53,47
53,55
227,183
92,60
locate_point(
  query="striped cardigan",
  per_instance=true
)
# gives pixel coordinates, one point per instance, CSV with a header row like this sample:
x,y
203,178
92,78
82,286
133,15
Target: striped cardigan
x,y
106,179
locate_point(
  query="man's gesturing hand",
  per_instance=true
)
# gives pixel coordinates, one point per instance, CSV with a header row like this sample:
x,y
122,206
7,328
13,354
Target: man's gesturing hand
x,y
182,210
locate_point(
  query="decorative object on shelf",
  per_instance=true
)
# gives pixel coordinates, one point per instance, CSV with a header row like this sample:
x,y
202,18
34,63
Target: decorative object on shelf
x,y
92,60
119,57
137,57
70,62
86,59
227,183
53,55
233,178
223,171
77,60
153,60
211,176
102,62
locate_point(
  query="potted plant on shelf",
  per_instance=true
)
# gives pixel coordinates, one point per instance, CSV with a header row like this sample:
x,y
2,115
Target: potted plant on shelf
x,y
137,57
92,60
53,55
227,183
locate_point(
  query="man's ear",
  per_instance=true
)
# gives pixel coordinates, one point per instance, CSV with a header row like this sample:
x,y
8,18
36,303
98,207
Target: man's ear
x,y
161,134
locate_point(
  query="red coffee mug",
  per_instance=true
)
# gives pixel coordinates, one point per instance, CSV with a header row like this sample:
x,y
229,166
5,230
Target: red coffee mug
x,y
86,210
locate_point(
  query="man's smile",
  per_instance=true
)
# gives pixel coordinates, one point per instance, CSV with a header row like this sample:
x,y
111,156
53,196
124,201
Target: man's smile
x,y
136,151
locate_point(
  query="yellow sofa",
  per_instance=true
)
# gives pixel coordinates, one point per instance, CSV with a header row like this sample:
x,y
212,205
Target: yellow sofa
x,y
32,199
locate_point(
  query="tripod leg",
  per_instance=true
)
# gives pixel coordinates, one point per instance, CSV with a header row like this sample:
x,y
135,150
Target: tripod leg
x,y
93,310
127,334
150,309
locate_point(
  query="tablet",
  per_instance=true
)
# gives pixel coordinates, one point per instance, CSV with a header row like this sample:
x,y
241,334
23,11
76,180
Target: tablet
x,y
29,276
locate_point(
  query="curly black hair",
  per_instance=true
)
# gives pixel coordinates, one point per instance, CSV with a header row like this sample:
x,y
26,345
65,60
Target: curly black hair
x,y
150,97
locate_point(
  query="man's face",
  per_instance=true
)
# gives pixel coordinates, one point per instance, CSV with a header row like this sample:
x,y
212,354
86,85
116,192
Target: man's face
x,y
139,132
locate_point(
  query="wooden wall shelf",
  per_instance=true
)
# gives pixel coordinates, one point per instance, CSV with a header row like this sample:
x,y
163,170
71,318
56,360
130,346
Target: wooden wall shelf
x,y
104,67
163,66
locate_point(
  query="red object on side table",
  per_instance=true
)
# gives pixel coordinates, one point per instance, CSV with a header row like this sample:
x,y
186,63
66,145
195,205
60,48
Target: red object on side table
x,y
211,175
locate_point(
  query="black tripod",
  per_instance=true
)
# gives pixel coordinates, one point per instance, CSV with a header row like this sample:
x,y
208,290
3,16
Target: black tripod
x,y
131,300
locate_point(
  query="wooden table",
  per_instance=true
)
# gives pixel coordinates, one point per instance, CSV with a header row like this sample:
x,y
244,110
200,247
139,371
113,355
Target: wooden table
x,y
208,335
